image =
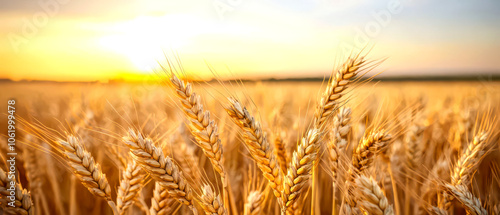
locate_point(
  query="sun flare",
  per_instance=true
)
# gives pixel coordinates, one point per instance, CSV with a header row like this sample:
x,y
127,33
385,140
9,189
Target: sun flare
x,y
144,40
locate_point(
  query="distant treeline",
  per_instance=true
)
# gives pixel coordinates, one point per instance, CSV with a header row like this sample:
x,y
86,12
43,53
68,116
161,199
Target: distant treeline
x,y
385,79
487,77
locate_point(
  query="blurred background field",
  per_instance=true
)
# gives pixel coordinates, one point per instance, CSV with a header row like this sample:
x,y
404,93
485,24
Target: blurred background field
x,y
101,113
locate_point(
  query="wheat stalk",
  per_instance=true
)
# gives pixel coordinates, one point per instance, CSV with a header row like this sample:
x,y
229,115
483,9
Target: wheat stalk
x,y
299,172
211,203
203,128
86,169
471,203
259,147
371,198
161,168
330,99
130,186
254,203
23,203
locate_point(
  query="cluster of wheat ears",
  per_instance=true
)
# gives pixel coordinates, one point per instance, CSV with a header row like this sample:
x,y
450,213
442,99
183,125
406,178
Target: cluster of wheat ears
x,y
350,157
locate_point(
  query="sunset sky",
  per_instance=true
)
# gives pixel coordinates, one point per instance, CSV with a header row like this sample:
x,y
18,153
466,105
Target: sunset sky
x,y
77,40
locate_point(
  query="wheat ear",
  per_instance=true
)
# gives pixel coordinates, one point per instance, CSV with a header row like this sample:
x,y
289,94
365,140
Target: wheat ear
x,y
368,148
471,203
130,186
280,149
86,169
203,128
23,203
337,144
299,172
338,137
467,163
363,156
212,204
436,211
161,203
161,168
412,140
253,206
371,198
259,147
336,88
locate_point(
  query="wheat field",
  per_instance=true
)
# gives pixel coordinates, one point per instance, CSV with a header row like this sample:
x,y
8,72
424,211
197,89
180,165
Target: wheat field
x,y
344,146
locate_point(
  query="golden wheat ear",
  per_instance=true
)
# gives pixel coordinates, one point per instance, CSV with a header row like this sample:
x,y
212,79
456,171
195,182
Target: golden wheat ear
x,y
161,203
469,201
371,198
161,168
86,169
254,203
211,202
204,129
299,172
23,203
130,186
331,99
258,146
467,164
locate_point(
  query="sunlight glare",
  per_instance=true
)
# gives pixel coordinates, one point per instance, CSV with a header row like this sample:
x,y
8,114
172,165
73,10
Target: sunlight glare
x,y
143,40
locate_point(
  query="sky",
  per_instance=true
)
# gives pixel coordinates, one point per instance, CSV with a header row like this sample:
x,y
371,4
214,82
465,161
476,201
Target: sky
x,y
77,40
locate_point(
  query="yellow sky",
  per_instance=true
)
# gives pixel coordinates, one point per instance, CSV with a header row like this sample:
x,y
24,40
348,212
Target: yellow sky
x,y
90,40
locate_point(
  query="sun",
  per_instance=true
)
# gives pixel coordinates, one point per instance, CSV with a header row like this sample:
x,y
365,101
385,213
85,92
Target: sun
x,y
144,40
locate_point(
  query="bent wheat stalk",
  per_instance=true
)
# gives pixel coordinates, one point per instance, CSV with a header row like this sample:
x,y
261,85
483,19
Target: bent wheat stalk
x,y
86,169
258,146
161,168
